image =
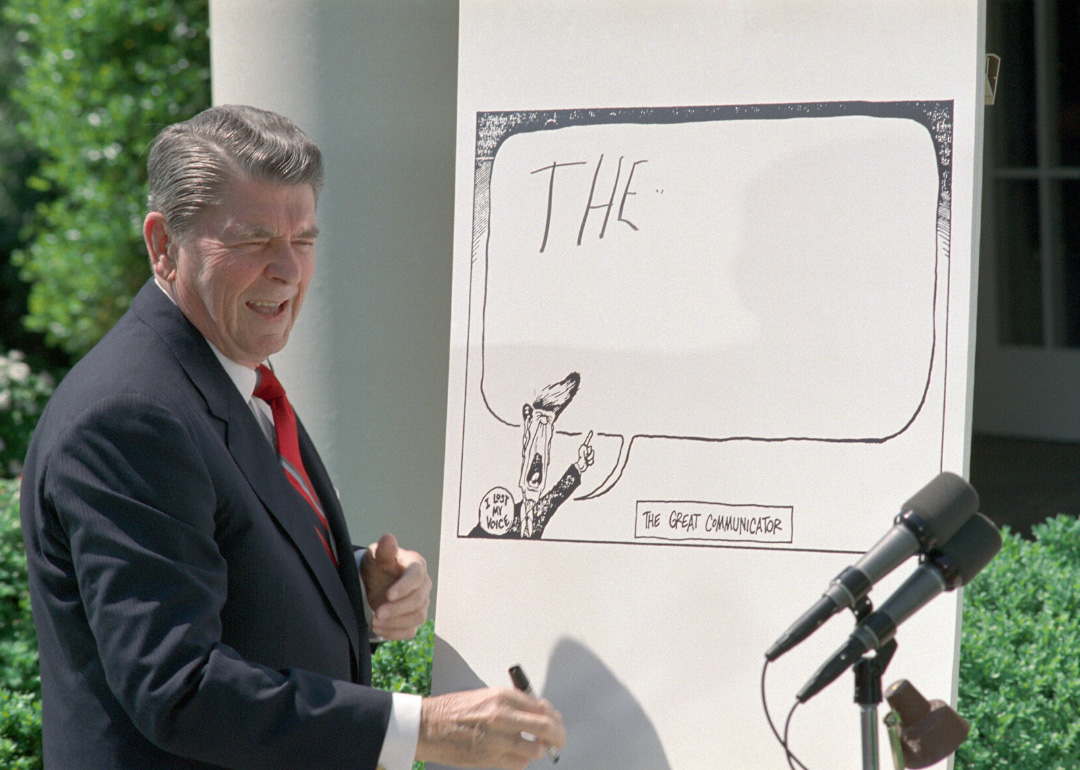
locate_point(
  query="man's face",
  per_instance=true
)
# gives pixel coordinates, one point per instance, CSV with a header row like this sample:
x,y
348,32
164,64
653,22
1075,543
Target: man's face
x,y
242,272
535,453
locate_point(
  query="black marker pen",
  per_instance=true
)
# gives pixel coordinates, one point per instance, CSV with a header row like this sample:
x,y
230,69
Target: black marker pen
x,y
521,682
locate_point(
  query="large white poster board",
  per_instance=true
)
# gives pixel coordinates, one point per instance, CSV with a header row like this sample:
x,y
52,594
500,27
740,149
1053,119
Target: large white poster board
x,y
711,328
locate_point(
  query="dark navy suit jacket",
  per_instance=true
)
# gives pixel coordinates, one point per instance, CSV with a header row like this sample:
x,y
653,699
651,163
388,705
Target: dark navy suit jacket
x,y
187,614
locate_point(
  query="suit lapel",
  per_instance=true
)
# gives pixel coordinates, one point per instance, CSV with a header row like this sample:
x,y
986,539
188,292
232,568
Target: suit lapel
x,y
257,461
253,453
324,488
335,517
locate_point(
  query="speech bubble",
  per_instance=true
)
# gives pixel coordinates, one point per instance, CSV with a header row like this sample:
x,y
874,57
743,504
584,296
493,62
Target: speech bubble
x,y
766,275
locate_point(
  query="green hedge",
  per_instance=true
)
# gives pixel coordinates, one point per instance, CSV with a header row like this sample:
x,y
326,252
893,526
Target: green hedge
x,y
20,684
405,666
20,731
97,79
1020,654
23,394
18,161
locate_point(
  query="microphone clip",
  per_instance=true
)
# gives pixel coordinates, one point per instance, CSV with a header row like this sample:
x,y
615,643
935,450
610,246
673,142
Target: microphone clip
x,y
868,673
862,608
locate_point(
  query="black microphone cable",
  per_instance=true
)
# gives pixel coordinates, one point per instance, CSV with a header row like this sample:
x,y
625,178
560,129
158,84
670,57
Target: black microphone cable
x,y
787,728
792,760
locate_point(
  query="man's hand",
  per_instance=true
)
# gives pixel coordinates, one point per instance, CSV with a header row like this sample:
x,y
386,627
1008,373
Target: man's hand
x,y
483,728
398,588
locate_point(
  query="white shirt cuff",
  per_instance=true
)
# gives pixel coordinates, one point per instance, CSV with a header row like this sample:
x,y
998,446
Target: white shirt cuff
x,y
402,733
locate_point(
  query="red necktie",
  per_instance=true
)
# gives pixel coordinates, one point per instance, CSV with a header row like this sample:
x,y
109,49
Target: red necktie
x,y
270,390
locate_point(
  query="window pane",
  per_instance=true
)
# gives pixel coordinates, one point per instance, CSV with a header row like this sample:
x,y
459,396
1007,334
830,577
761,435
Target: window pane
x,y
1070,237
1016,214
1011,35
1068,77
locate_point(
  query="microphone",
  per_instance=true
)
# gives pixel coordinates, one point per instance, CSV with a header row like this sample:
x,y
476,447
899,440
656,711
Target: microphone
x,y
959,560
926,521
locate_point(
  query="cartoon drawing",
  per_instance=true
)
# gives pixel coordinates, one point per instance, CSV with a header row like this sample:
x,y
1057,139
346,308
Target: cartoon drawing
x,y
532,514
670,333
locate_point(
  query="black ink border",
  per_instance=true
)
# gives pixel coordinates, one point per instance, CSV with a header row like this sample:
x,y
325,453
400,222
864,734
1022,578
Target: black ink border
x,y
495,127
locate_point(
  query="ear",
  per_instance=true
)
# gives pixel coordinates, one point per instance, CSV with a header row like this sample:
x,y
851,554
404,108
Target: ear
x,y
160,245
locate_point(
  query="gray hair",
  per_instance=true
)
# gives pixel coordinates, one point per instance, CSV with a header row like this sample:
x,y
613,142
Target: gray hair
x,y
191,162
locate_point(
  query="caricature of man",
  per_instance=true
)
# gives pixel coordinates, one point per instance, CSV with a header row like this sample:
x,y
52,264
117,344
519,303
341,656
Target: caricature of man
x,y
535,510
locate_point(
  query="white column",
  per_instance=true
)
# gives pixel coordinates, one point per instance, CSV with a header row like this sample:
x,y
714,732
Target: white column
x,y
374,84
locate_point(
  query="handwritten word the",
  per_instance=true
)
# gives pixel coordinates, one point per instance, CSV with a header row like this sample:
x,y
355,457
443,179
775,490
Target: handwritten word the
x,y
590,204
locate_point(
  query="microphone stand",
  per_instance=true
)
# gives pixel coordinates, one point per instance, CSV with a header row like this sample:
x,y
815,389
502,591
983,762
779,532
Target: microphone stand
x,y
868,673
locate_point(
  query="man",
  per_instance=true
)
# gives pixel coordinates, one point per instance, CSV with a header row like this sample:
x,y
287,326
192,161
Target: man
x,y
194,590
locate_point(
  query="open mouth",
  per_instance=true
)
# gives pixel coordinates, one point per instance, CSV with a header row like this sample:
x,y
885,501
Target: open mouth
x,y
268,309
536,472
